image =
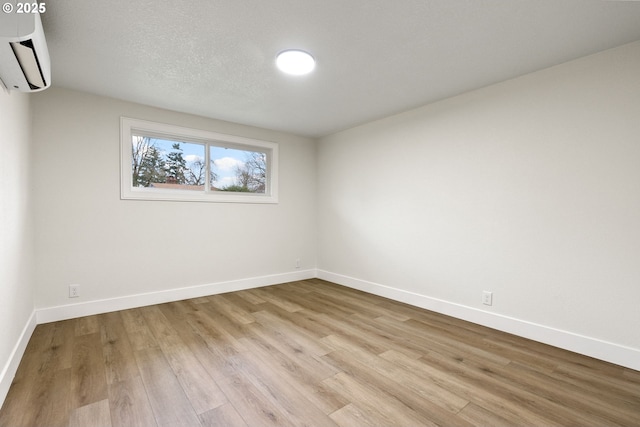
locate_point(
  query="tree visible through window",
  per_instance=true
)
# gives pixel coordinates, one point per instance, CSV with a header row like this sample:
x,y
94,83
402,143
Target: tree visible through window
x,y
239,170
163,166
161,163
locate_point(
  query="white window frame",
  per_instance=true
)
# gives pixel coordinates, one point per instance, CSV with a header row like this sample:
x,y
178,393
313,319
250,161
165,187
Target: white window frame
x,y
130,127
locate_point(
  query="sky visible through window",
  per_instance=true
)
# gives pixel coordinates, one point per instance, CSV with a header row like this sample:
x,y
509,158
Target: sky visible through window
x,y
225,161
167,162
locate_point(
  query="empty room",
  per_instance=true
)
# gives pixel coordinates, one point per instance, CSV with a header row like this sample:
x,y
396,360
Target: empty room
x,y
312,213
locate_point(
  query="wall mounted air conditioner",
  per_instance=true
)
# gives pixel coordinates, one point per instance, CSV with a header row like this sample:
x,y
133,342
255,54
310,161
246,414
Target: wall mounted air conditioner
x,y
24,57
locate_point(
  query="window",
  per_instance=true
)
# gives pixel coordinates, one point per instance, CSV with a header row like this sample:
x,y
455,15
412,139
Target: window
x,y
165,162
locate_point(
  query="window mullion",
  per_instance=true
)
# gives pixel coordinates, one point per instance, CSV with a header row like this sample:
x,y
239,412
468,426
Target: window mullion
x,y
207,173
166,167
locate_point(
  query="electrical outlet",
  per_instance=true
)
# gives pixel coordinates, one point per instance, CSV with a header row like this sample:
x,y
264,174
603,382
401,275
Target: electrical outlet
x,y
74,291
297,262
487,298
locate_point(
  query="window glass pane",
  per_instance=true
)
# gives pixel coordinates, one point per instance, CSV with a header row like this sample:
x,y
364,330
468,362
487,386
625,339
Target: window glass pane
x,y
241,171
167,164
172,163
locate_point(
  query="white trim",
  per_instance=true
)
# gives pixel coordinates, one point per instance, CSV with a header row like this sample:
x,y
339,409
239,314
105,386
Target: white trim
x,y
11,367
603,350
129,126
63,312
593,347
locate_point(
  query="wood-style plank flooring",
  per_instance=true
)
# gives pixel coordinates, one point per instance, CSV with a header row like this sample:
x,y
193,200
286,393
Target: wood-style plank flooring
x,y
307,353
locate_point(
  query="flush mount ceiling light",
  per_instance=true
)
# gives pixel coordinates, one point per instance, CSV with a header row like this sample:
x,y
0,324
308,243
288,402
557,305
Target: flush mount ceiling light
x,y
296,62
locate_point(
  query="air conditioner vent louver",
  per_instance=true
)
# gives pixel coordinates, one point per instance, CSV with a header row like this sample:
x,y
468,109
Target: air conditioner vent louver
x,y
29,63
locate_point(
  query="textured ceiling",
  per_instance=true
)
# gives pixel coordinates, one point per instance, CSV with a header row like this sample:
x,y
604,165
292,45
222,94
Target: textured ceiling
x,y
216,58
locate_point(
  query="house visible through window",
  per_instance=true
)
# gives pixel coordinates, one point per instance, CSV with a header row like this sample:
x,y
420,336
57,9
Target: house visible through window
x,y
163,162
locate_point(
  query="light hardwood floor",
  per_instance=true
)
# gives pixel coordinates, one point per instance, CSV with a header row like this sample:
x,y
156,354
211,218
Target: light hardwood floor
x,y
307,353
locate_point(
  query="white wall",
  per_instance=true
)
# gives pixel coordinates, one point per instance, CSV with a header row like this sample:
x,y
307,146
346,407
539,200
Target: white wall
x,y
529,188
117,248
16,238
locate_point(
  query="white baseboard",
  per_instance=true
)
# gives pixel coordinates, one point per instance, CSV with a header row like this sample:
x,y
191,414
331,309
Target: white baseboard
x,y
54,314
599,349
11,367
603,350
63,312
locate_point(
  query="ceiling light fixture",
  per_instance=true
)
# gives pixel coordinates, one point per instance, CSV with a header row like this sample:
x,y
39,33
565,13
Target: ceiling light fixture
x,y
295,62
